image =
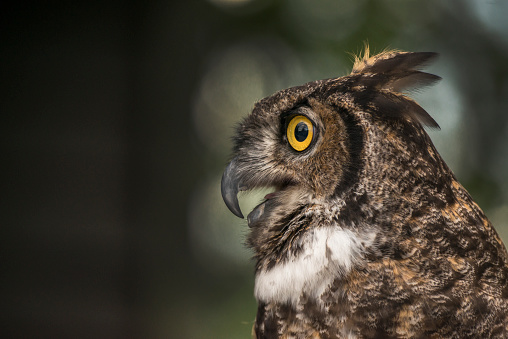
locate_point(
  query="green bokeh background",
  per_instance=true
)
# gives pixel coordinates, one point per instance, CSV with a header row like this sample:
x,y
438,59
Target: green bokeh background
x,y
116,126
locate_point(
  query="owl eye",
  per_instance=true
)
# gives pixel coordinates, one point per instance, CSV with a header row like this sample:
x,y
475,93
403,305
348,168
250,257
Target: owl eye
x,y
300,132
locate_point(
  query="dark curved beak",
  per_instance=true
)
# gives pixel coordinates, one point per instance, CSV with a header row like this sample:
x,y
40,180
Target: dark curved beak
x,y
230,185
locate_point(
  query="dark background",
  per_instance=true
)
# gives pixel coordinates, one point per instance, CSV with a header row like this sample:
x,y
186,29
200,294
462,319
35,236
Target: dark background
x,y
116,118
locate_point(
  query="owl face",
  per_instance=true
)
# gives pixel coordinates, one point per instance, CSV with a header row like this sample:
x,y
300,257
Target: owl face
x,y
289,148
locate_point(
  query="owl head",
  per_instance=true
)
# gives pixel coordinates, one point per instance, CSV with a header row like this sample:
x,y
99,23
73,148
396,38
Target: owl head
x,y
334,148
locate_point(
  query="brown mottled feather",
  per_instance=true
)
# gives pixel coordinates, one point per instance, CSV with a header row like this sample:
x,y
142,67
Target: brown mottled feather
x,y
434,267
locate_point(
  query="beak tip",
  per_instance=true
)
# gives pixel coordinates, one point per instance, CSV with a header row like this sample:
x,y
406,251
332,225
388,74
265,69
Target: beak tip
x,y
237,212
229,197
229,190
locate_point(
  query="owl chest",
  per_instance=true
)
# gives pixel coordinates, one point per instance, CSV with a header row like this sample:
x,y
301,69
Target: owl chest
x,y
328,253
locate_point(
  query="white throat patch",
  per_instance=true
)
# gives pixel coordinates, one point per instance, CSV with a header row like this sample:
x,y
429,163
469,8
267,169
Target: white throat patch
x,y
328,253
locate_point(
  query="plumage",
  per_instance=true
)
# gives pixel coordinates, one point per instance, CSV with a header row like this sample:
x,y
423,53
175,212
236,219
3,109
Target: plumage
x,y
368,233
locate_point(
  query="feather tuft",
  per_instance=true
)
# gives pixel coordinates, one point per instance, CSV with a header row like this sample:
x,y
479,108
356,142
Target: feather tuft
x,y
380,80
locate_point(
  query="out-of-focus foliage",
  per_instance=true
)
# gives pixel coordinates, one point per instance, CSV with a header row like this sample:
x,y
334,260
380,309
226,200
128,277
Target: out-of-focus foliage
x,y
117,119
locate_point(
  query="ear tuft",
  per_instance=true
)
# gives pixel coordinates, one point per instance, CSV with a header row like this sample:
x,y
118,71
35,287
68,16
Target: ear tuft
x,y
379,80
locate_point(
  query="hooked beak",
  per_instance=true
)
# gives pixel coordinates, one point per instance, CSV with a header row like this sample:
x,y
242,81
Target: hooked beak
x,y
230,185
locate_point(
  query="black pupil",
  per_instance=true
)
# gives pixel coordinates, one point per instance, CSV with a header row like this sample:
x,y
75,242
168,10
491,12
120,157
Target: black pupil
x,y
301,131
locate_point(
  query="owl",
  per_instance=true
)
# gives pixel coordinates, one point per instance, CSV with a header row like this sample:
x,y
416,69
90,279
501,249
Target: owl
x,y
367,233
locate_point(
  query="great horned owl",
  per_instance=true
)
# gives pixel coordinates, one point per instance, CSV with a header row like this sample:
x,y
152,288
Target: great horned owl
x,y
367,233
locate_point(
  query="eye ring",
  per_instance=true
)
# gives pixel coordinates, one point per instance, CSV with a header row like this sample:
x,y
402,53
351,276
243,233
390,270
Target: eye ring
x,y
300,132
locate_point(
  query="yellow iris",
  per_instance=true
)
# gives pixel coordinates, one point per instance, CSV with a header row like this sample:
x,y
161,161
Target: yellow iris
x,y
300,132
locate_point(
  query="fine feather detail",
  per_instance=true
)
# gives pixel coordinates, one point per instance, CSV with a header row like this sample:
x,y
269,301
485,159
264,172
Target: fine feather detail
x,y
328,253
379,82
391,61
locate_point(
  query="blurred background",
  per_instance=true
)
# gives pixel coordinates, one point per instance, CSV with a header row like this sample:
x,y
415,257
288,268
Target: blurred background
x,y
116,126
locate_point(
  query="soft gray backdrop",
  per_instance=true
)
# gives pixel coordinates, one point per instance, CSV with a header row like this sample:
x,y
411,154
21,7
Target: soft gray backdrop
x,y
116,119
